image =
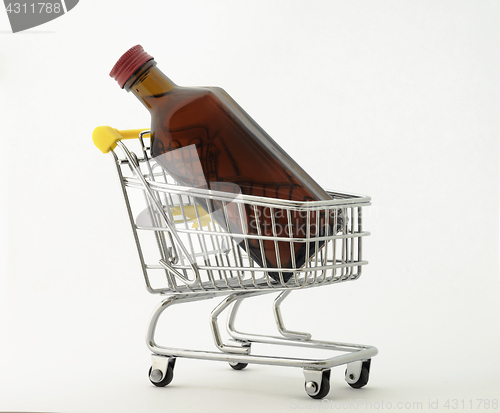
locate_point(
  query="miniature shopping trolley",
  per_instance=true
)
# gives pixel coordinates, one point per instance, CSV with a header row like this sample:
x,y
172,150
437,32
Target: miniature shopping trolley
x,y
187,255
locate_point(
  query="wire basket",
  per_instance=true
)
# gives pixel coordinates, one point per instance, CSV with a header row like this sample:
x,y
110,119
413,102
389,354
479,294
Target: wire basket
x,y
195,244
184,248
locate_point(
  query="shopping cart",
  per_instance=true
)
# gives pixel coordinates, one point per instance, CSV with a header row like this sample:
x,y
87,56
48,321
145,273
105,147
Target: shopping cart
x,y
186,254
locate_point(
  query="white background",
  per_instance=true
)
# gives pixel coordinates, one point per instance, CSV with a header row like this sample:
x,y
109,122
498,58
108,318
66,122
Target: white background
x,y
398,100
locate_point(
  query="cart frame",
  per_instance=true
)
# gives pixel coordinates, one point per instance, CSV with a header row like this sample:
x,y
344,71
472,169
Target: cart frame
x,y
191,271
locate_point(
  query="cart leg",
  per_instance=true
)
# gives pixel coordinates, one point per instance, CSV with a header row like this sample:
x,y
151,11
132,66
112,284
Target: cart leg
x,y
296,335
241,347
166,303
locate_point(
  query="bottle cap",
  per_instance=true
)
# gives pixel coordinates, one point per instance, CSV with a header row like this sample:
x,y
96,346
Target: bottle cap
x,y
128,64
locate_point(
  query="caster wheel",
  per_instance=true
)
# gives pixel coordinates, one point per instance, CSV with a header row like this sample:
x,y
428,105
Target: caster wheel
x,y
363,377
319,391
238,366
156,376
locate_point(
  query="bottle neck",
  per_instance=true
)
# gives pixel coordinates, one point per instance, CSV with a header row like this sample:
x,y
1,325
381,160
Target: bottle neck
x,y
148,84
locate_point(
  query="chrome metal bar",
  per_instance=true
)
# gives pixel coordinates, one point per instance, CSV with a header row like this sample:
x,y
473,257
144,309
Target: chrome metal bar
x,y
203,245
303,270
244,228
254,200
186,227
261,245
206,262
292,248
174,299
258,237
163,248
241,349
158,206
132,223
363,353
276,245
279,319
234,248
215,235
159,237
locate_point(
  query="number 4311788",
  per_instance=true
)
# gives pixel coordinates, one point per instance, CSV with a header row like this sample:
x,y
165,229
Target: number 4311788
x,y
33,8
473,404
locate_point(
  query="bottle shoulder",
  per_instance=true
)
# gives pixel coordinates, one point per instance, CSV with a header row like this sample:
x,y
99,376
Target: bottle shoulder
x,y
199,90
186,96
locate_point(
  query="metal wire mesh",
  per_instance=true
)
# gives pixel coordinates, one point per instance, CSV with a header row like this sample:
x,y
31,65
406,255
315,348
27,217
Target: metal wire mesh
x,y
194,239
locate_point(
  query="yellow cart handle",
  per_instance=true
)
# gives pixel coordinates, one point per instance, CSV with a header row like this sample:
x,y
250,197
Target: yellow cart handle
x,y
105,137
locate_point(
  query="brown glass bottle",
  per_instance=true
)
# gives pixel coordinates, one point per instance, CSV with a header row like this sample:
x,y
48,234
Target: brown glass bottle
x,y
203,138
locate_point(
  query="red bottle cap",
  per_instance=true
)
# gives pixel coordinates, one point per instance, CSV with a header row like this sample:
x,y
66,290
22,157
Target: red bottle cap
x,y
128,64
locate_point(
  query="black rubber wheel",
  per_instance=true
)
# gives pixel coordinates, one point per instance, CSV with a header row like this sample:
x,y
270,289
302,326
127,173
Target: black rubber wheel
x,y
168,376
364,376
325,386
238,366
